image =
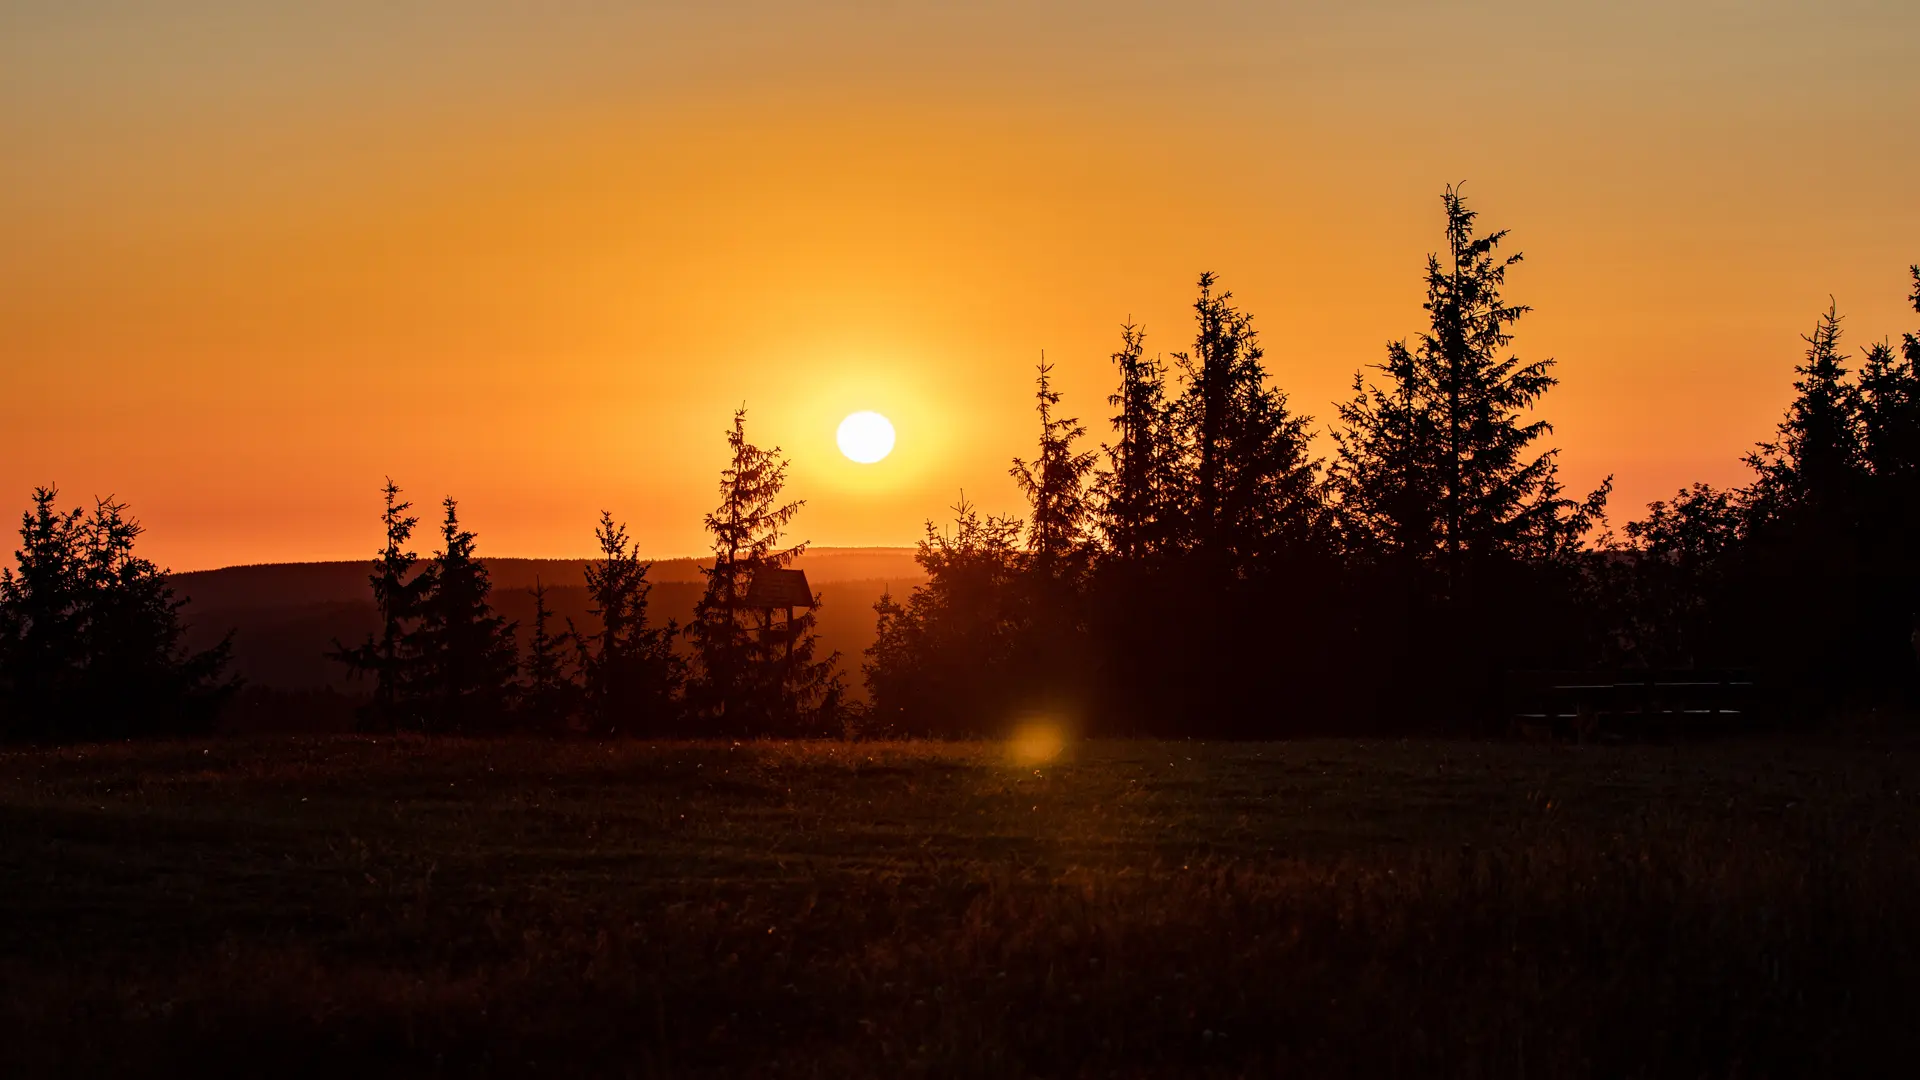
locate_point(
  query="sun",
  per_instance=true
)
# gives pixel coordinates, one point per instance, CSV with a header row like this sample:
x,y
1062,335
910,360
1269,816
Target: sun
x,y
865,437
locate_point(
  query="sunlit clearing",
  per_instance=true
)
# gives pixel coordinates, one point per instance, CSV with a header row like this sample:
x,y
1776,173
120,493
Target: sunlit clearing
x,y
865,437
1036,743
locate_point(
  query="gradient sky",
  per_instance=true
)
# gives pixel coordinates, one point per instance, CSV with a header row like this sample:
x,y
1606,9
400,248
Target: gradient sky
x,y
254,257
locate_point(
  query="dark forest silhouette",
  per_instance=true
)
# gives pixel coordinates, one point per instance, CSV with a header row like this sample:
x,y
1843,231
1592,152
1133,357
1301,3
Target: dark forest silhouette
x,y
90,634
1210,578
1201,574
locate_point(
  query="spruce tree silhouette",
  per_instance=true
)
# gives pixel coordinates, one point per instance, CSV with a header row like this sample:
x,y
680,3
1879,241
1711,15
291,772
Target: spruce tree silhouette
x,y
1438,481
631,680
467,657
1134,502
91,637
1052,665
1812,469
1904,492
1828,562
1439,465
941,663
1802,558
1247,477
1889,408
1137,592
1890,432
42,613
392,657
1889,506
746,679
1056,486
548,697
1386,478
1808,573
1912,341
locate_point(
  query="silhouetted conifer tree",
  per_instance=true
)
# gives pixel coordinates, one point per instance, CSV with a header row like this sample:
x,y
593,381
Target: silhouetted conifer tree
x,y
1056,486
942,661
1386,476
1912,341
1250,487
1134,501
1814,464
1832,516
631,679
1809,573
392,657
467,657
1473,555
1440,463
1890,436
42,612
549,695
1892,393
1214,510
1051,671
90,634
1890,409
747,679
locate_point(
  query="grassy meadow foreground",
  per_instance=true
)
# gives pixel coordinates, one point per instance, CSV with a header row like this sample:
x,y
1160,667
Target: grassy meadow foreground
x,y
459,908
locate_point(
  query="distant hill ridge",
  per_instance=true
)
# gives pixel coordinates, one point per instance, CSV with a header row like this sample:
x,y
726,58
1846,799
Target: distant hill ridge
x,y
285,617
280,584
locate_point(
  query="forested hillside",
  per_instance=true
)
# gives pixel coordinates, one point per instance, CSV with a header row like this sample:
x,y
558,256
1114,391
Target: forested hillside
x,y
285,617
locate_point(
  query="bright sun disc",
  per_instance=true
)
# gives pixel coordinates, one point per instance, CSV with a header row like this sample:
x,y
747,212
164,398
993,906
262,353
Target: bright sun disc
x,y
865,437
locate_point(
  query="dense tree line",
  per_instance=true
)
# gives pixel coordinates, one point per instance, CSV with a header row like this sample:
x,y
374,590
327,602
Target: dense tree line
x,y
90,634
1811,569
1205,574
443,662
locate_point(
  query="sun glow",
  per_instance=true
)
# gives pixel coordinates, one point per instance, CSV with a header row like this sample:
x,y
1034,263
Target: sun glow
x,y
865,437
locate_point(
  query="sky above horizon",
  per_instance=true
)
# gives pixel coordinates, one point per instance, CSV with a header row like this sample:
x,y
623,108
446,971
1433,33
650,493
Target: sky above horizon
x,y
254,258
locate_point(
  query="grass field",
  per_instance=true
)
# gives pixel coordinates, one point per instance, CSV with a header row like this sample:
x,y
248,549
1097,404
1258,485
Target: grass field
x,y
401,907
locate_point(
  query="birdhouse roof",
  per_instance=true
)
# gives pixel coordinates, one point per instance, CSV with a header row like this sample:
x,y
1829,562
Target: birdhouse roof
x,y
778,589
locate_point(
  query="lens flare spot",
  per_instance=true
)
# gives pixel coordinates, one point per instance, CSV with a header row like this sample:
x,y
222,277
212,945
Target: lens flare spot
x,y
1036,743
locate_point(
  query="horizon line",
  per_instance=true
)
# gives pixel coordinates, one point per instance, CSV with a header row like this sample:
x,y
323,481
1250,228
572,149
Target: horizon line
x,y
812,550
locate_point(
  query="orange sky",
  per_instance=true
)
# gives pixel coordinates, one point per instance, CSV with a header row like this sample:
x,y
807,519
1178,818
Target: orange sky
x,y
254,259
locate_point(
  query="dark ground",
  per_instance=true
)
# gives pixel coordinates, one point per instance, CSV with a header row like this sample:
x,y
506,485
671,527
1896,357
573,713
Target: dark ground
x,y
332,906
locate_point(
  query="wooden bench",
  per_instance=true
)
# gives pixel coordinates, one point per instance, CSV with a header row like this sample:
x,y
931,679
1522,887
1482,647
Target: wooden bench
x,y
1631,702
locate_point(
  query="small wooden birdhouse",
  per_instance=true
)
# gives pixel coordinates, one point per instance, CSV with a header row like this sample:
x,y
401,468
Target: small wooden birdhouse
x,y
770,589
